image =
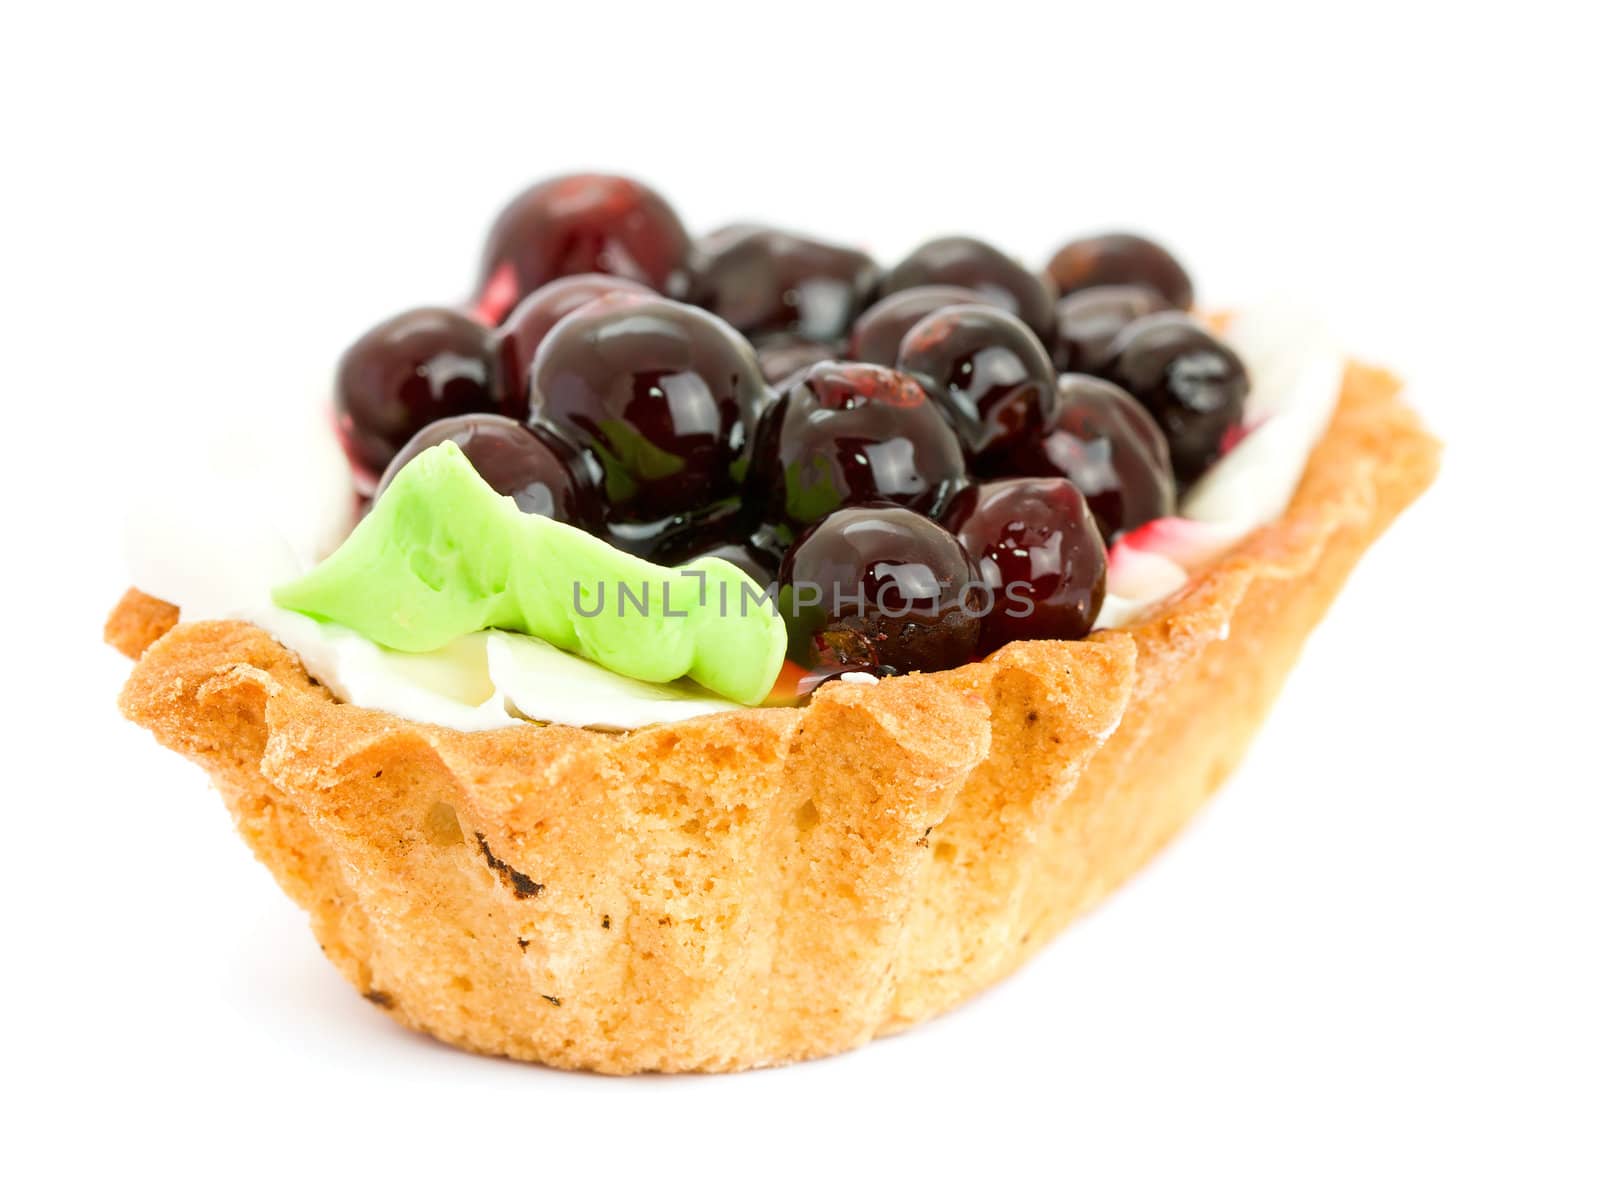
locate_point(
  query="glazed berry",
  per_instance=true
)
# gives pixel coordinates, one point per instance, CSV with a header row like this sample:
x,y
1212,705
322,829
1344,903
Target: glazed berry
x,y
406,373
582,223
850,433
762,282
1089,320
973,264
784,355
663,394
990,371
1121,259
1110,448
1040,554
524,329
880,589
875,338
538,470
758,555
1190,381
679,537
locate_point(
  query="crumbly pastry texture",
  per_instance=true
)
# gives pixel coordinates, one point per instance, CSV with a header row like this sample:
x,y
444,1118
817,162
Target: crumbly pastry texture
x,y
760,886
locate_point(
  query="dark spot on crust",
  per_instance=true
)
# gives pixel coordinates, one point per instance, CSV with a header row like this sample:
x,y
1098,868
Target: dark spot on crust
x,y
522,942
382,998
377,774
1033,716
923,841
605,921
553,999
522,887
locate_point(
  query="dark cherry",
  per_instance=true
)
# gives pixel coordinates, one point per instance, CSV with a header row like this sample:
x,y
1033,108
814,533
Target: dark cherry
x,y
1089,320
875,338
992,374
781,356
677,538
582,223
1121,259
524,329
851,433
758,555
664,395
762,281
535,467
973,264
1191,382
1104,441
881,589
1040,554
404,374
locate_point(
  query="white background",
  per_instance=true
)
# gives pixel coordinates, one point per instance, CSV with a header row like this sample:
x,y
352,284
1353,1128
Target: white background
x,y
1372,960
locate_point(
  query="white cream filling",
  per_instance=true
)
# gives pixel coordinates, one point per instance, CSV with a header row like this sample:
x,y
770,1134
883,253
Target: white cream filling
x,y
227,520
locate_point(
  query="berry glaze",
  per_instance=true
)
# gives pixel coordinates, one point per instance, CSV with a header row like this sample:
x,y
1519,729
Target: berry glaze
x,y
957,453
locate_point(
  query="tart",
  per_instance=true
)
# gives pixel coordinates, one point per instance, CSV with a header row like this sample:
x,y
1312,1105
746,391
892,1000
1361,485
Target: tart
x,y
732,886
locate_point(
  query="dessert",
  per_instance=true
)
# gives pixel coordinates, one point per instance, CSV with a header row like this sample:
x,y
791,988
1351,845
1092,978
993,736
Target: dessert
x,y
684,702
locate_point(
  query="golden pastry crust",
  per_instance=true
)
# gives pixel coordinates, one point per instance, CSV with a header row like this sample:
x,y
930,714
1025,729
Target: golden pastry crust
x,y
138,621
761,886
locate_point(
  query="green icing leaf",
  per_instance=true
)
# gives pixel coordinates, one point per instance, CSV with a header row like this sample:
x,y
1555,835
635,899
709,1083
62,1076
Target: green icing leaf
x,y
441,555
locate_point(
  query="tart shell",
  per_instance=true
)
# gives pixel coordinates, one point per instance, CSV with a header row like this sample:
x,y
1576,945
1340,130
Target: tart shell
x,y
760,886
